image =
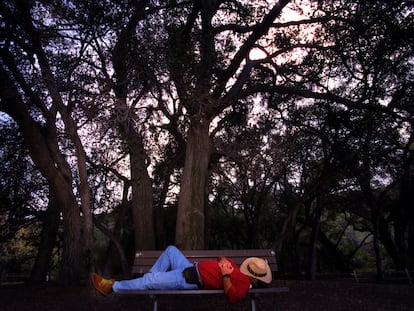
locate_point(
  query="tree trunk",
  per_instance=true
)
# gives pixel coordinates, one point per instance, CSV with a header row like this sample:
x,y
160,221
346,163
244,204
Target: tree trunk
x,y
44,151
47,241
389,244
190,225
142,197
376,243
115,238
403,214
86,224
75,225
73,261
313,244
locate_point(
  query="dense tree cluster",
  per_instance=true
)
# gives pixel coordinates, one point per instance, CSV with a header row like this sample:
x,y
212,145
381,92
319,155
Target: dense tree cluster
x,y
208,124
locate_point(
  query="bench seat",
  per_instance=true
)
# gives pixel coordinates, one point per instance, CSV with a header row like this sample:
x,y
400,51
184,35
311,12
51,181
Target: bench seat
x,y
144,260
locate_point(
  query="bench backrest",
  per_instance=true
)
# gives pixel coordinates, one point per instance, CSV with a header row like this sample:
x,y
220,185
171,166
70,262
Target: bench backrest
x,y
145,259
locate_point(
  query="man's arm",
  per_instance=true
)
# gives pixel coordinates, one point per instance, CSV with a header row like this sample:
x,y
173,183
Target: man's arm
x,y
226,270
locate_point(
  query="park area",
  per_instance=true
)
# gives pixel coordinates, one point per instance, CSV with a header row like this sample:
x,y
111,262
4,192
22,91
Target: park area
x,y
303,295
281,125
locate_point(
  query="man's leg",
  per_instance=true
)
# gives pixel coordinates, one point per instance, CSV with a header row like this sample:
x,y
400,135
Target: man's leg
x,y
170,259
157,280
166,273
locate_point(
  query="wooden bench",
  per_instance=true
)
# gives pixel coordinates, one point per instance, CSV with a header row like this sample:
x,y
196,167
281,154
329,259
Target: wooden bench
x,y
145,259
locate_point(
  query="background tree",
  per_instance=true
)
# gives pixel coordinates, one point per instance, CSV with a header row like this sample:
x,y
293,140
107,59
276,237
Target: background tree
x,y
31,95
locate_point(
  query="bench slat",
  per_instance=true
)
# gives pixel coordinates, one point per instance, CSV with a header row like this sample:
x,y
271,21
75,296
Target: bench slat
x,y
201,291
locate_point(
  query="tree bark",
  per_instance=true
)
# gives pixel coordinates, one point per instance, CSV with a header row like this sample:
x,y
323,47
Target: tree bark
x,y
47,241
142,197
190,225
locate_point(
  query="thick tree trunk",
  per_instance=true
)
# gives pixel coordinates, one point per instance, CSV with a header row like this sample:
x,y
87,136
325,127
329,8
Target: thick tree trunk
x,y
73,261
190,226
142,197
47,241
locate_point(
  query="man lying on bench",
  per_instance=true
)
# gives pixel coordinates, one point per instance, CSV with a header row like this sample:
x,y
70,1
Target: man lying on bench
x,y
173,270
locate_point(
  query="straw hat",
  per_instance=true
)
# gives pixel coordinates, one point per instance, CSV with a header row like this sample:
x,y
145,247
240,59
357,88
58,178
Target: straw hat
x,y
257,268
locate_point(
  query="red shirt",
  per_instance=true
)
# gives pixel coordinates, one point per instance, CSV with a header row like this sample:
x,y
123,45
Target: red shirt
x,y
212,279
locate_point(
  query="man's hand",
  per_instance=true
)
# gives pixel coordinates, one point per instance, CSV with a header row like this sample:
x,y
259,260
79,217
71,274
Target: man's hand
x,y
225,266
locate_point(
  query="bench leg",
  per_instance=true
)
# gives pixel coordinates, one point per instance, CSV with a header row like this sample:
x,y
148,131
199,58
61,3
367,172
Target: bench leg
x,y
154,299
253,304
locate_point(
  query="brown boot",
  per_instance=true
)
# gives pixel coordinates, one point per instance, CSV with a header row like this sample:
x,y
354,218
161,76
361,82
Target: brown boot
x,y
102,285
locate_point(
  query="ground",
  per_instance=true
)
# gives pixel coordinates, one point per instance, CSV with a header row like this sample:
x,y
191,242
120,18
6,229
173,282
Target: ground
x,y
303,296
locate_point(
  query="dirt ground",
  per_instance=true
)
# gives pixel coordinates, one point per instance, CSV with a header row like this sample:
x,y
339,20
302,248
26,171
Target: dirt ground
x,y
303,296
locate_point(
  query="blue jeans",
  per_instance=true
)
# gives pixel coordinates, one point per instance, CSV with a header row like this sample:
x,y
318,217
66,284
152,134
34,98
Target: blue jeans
x,y
166,273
